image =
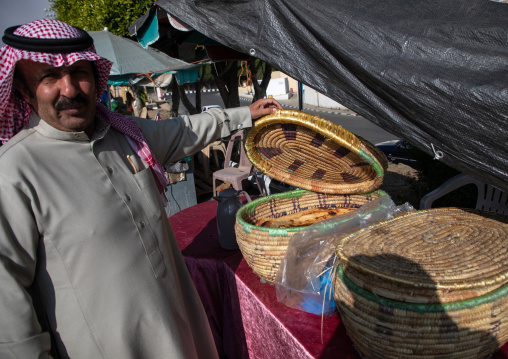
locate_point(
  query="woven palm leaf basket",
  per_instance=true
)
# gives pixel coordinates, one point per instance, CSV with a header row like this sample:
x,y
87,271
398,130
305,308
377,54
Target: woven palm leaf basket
x,y
264,247
312,153
429,284
336,171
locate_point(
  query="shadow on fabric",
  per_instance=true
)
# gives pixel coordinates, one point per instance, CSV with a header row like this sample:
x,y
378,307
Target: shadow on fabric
x,y
205,260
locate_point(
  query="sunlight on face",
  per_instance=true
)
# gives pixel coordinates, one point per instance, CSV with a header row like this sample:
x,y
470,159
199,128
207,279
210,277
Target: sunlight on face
x,y
64,97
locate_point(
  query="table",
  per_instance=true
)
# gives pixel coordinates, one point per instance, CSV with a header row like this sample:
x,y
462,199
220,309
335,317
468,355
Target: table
x,y
246,319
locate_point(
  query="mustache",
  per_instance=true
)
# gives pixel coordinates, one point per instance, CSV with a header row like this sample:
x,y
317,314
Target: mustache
x,y
65,103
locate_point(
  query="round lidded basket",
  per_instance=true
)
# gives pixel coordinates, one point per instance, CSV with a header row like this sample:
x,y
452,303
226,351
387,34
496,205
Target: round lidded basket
x,y
427,284
264,247
386,328
312,153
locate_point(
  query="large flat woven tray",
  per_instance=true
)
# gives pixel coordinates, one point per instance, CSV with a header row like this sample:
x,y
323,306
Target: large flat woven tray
x,y
315,154
433,256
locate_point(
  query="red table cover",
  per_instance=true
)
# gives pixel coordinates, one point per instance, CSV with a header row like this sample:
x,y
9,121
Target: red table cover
x,y
246,319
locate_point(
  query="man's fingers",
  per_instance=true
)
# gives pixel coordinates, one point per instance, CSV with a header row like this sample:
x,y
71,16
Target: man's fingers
x,y
270,102
264,107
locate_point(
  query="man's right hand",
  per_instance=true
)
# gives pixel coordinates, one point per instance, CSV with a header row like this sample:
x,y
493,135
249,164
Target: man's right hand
x,y
263,107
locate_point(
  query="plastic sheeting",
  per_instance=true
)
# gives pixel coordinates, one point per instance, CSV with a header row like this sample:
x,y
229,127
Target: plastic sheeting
x,y
305,275
432,72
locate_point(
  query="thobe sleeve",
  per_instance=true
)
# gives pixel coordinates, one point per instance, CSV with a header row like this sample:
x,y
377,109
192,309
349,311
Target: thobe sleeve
x,y
21,335
174,139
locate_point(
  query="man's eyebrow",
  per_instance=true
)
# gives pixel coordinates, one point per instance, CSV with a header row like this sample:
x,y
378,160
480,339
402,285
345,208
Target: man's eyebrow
x,y
50,70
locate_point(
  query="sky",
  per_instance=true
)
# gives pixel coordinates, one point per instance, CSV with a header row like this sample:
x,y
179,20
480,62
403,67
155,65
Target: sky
x,y
18,12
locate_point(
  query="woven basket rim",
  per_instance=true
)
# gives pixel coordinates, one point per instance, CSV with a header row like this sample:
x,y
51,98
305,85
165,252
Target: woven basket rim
x,y
463,284
248,207
420,307
336,133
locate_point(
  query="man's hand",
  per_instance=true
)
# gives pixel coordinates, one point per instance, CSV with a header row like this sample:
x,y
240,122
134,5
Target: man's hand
x,y
263,107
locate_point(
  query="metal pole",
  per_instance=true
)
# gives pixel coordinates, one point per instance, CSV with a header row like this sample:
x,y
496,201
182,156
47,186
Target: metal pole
x,y
300,96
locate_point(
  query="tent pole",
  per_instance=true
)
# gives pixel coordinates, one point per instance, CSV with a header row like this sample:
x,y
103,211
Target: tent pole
x,y
300,96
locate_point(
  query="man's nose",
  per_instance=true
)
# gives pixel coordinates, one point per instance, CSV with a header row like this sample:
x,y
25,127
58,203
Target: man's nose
x,y
68,86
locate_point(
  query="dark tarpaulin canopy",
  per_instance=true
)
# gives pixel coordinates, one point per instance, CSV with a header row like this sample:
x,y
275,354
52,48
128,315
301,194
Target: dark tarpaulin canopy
x,y
432,72
157,27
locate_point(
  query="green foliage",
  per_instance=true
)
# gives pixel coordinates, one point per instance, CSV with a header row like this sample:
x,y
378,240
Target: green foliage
x,y
142,95
95,15
207,73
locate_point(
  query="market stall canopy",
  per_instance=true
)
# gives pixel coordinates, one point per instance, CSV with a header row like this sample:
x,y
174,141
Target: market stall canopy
x,y
162,80
159,28
432,72
131,60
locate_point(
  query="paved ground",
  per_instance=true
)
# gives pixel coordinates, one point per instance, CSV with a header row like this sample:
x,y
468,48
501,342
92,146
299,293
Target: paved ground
x,y
293,103
286,103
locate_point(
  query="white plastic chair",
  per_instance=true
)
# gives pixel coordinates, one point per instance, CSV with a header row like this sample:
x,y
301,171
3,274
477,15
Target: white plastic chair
x,y
489,198
235,175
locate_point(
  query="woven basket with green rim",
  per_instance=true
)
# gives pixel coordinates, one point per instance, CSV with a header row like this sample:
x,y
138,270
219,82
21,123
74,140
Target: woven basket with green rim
x,y
429,284
386,328
438,255
263,248
313,153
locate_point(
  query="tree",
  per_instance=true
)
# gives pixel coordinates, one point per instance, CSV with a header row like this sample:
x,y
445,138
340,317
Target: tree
x,y
95,15
226,79
228,73
183,96
258,67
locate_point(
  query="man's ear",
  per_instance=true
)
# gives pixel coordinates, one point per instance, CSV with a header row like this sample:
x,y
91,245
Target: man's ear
x,y
21,90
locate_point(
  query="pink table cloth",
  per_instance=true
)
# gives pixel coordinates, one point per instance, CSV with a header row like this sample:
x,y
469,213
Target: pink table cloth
x,y
246,319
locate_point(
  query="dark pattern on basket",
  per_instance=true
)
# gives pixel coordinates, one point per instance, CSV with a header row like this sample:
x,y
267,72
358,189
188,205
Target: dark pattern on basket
x,y
318,174
295,165
341,152
318,140
312,153
360,164
347,200
350,178
262,247
273,206
289,131
270,152
296,205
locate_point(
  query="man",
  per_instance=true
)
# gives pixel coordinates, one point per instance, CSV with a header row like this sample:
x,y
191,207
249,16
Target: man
x,y
89,265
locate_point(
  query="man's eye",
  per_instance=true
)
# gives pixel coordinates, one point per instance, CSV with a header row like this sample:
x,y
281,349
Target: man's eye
x,y
48,76
83,71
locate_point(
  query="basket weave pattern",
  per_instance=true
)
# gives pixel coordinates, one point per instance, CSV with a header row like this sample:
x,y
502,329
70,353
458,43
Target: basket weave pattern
x,y
454,255
312,153
389,329
429,284
263,248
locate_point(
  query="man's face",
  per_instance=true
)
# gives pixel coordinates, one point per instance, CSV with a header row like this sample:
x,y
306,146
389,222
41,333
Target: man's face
x,y
64,97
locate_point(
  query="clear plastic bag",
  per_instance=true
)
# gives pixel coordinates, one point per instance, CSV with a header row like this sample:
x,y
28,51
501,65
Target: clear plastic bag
x,y
304,279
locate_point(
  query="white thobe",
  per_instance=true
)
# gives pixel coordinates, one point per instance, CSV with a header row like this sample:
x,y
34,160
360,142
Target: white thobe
x,y
89,264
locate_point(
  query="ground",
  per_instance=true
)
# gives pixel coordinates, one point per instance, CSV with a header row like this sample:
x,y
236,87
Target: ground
x,y
396,183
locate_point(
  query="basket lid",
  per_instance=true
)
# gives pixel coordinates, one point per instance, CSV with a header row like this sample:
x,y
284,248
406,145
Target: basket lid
x,y
437,255
313,153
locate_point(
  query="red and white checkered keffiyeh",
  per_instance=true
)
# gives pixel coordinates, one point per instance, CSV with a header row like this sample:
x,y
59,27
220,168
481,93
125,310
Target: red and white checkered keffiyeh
x,y
15,113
